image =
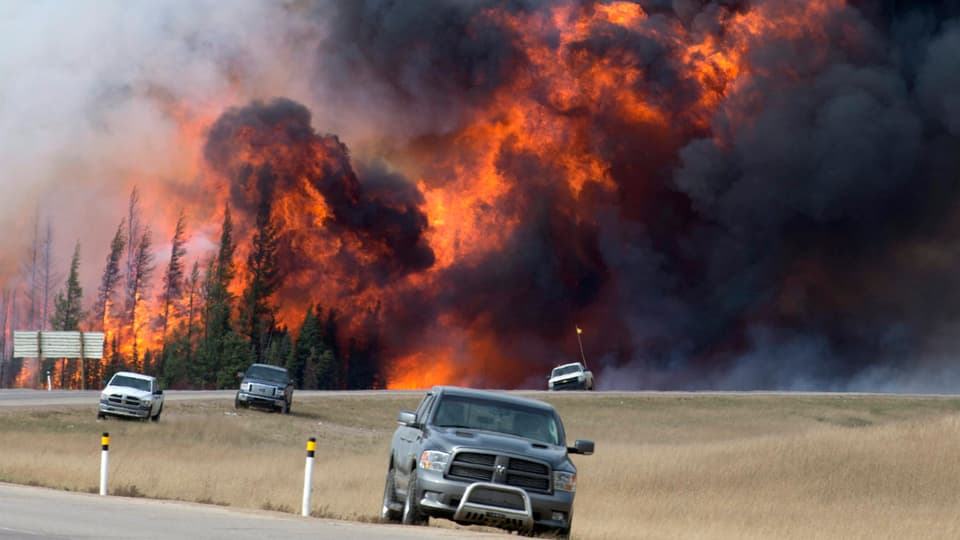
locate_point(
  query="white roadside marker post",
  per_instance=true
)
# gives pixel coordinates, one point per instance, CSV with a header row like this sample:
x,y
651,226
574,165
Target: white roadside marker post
x,y
104,459
308,476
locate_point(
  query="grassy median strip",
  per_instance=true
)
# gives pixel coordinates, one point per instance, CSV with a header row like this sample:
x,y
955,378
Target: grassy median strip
x,y
667,465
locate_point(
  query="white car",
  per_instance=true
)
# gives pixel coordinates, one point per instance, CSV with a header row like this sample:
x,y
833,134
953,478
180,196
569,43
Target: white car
x,y
571,376
131,394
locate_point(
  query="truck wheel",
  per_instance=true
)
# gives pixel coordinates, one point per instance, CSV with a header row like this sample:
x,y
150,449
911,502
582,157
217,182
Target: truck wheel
x,y
101,416
236,401
387,513
412,514
156,418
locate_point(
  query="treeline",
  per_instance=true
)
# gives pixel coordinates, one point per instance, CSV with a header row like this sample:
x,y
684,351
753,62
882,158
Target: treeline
x,y
195,333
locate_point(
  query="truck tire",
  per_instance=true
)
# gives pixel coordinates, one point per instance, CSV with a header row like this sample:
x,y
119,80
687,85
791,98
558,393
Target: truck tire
x,y
412,515
387,513
156,418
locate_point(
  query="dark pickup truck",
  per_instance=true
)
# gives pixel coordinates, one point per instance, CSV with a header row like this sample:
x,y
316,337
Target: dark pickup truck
x,y
481,457
263,385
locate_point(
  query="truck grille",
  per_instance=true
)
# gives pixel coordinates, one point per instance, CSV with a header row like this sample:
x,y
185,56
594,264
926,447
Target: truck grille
x,y
480,467
495,497
262,390
120,399
568,383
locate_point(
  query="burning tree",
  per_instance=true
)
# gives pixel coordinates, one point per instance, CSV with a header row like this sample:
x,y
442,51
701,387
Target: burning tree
x,y
104,308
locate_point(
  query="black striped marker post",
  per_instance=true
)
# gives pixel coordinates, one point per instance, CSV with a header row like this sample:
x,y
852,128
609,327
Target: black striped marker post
x,y
104,458
308,476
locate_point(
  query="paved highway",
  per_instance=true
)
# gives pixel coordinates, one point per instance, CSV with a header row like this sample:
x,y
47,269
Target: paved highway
x,y
30,513
26,398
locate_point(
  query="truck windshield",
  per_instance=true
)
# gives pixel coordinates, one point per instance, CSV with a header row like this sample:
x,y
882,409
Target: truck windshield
x,y
489,415
130,382
564,370
267,374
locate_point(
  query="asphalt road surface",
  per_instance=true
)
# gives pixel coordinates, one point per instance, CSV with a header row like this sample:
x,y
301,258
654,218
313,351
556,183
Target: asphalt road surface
x,y
30,513
27,398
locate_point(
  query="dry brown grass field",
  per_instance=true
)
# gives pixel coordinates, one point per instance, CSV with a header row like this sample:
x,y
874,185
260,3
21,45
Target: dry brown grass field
x,y
711,466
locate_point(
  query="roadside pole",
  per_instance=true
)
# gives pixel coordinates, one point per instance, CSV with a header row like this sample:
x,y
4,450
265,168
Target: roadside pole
x,y
104,459
579,341
308,476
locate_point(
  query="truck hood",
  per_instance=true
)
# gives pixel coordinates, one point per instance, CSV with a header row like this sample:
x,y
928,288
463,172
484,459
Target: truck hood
x,y
263,382
128,391
451,439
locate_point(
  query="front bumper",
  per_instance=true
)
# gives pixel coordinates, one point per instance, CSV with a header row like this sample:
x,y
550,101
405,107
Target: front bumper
x,y
568,384
447,498
259,400
124,410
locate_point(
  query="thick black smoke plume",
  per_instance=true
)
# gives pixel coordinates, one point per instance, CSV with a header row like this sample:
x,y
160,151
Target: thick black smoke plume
x,y
267,149
803,238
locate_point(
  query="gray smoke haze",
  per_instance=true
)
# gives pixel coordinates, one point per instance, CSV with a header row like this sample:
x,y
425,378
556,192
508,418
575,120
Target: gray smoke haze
x,y
804,237
93,96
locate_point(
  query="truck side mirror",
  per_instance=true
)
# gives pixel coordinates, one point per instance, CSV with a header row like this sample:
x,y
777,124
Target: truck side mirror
x,y
407,418
581,446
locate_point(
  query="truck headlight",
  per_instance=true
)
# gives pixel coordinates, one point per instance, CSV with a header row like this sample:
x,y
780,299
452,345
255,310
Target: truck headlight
x,y
433,460
147,402
246,387
564,481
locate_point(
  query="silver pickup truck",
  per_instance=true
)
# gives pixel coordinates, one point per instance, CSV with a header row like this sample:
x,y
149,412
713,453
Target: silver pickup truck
x,y
480,457
132,395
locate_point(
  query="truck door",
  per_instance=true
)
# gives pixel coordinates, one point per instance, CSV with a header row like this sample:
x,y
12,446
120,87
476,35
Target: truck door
x,y
409,447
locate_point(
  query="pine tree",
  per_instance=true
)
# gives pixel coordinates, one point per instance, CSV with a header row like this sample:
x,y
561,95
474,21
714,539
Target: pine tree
x,y
173,278
194,299
67,316
6,298
363,356
131,242
142,270
47,275
111,278
221,347
68,303
280,348
257,316
304,351
330,338
30,269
